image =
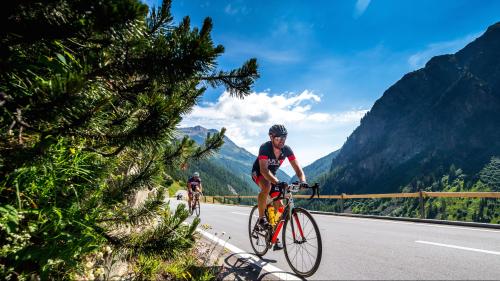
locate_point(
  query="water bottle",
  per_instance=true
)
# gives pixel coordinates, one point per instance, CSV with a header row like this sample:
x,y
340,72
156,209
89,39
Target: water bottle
x,y
271,216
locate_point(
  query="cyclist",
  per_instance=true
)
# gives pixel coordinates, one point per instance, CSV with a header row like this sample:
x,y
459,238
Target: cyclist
x,y
271,156
193,185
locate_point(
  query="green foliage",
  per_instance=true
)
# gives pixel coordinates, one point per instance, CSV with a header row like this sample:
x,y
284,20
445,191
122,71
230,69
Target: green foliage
x,y
147,267
490,174
90,98
187,267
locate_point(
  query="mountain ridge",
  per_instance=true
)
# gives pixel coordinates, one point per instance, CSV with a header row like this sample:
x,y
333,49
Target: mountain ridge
x,y
443,114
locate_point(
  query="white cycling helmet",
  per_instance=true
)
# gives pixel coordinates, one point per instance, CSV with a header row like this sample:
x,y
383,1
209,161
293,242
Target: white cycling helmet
x,y
196,174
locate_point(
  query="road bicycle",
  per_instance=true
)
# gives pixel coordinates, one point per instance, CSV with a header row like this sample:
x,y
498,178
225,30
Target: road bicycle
x,y
195,203
300,237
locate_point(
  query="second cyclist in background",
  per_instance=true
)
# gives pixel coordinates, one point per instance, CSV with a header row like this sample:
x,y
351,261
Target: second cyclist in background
x,y
193,185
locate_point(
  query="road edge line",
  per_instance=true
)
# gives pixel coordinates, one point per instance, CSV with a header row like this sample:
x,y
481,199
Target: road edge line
x,y
251,258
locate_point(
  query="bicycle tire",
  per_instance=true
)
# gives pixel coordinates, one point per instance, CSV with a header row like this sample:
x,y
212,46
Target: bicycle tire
x,y
286,244
253,241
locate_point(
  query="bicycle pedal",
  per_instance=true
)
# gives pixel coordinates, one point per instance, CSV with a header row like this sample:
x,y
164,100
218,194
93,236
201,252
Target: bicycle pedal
x,y
277,247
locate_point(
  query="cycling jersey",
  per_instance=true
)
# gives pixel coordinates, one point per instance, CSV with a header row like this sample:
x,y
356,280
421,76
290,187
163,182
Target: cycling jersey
x,y
193,183
266,152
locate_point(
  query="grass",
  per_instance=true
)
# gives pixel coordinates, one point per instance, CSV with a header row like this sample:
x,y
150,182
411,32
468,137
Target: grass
x,y
174,187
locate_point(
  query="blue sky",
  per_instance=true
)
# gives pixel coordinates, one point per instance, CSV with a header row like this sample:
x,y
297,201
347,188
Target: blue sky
x,y
323,63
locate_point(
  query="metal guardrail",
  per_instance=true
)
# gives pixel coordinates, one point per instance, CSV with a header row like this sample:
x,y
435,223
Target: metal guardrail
x,y
421,195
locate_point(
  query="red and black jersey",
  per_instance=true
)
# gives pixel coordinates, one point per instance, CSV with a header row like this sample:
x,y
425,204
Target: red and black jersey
x,y
194,182
266,152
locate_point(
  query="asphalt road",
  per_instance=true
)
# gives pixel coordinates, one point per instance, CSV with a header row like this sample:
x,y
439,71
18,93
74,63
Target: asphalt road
x,y
367,249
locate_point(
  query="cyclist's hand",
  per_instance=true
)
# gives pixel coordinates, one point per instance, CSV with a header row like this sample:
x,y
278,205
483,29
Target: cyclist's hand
x,y
303,184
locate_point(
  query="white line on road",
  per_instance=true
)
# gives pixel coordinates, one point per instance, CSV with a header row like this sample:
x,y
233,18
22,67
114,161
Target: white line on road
x,y
458,247
243,214
271,269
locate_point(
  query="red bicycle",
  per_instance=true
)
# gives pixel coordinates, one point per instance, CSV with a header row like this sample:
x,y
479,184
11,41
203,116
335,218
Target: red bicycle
x,y
300,237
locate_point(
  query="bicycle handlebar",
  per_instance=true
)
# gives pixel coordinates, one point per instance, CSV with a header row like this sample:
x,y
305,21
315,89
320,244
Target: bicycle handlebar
x,y
296,187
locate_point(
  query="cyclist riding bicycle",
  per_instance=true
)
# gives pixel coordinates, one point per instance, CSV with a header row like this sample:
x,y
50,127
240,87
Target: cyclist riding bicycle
x,y
271,156
193,185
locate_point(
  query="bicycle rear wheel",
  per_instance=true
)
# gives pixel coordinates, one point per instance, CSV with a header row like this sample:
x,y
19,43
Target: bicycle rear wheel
x,y
302,243
258,239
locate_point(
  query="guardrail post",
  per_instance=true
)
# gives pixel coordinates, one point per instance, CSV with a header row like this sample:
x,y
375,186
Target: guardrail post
x,y
223,199
422,207
239,200
342,202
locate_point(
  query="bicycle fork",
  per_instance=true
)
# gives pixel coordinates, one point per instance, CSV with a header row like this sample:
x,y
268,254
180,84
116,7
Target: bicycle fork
x,y
297,222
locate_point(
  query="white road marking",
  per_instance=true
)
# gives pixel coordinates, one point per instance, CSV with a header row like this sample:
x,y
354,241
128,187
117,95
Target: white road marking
x,y
458,247
243,214
271,269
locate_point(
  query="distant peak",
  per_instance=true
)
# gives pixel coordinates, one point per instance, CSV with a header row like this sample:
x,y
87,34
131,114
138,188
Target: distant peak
x,y
198,127
198,130
494,27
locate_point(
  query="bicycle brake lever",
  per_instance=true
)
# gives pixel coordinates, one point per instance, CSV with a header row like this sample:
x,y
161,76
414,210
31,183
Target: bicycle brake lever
x,y
315,189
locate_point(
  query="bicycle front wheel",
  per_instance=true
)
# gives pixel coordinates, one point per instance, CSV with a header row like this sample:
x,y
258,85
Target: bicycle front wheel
x,y
302,243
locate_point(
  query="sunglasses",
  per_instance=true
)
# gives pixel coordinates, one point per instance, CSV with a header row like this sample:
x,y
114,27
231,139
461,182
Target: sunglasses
x,y
280,138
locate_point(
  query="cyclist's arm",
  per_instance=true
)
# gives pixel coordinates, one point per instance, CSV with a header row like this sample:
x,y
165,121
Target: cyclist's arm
x,y
266,173
298,170
201,188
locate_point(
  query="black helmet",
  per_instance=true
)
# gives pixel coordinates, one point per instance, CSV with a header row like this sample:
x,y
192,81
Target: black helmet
x,y
278,130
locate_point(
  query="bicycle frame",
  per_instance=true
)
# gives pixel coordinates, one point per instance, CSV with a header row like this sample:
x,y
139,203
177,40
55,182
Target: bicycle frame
x,y
289,206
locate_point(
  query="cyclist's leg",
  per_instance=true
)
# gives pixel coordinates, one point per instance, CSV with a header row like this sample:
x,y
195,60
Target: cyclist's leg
x,y
265,187
190,198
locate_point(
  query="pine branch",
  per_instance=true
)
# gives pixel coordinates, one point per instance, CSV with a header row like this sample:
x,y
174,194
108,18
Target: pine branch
x,y
168,235
142,214
238,81
211,145
161,18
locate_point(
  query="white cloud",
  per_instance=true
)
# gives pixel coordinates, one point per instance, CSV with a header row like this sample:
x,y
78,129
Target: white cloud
x,y
419,59
235,9
311,134
360,7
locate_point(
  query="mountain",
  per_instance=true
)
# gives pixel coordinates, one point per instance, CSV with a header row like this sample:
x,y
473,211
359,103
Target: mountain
x,y
232,158
447,113
318,167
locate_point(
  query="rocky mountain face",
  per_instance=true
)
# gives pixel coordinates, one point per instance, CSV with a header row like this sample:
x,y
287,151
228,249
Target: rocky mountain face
x,y
231,157
445,113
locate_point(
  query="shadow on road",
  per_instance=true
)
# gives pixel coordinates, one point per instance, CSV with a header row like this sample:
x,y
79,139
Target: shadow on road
x,y
238,268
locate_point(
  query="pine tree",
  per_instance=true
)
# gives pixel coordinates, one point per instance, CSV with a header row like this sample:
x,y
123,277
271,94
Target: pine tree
x,y
90,96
